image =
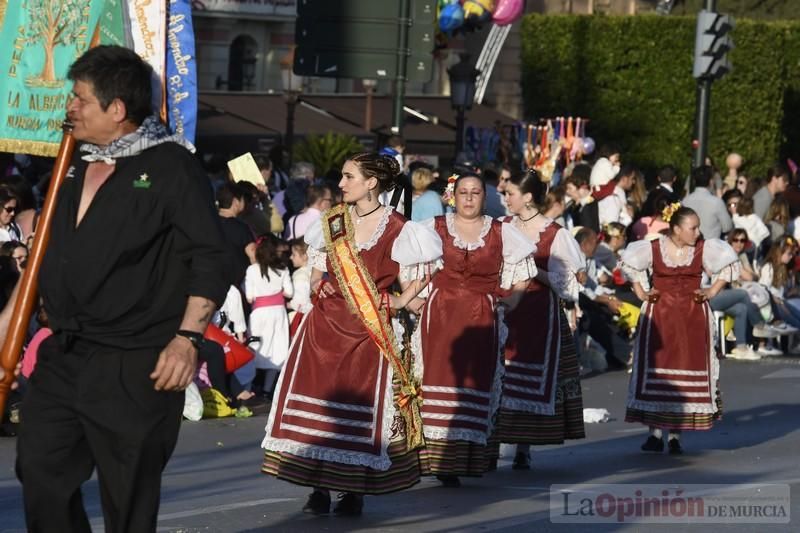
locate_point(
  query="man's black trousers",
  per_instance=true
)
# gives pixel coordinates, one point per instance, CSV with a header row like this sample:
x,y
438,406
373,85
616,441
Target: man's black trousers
x,y
90,407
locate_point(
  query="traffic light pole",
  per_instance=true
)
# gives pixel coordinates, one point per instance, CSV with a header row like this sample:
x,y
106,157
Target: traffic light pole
x,y
404,21
701,111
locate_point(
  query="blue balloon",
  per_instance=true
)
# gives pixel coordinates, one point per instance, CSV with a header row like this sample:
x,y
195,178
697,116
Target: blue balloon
x,y
451,18
588,145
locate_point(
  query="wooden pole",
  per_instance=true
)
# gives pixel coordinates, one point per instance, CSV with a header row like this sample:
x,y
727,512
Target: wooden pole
x,y
27,295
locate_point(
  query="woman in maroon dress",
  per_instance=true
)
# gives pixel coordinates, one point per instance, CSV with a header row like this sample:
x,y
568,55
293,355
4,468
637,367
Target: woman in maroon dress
x,y
674,384
457,335
542,401
337,422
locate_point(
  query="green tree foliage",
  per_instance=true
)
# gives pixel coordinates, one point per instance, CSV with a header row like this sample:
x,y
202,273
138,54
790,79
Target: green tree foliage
x,y
631,76
326,151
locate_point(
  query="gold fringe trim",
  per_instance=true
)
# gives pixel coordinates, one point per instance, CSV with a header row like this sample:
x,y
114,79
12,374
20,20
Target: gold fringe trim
x,y
19,146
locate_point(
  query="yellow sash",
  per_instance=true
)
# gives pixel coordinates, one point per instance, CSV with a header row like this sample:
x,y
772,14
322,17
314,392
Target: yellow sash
x,y
364,301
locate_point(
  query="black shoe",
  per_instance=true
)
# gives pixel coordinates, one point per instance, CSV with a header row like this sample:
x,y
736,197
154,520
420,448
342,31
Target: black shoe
x,y
675,447
318,503
349,504
522,461
653,444
451,482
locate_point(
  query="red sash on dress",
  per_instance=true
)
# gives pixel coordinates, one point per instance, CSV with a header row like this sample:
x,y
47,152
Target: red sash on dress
x,y
675,366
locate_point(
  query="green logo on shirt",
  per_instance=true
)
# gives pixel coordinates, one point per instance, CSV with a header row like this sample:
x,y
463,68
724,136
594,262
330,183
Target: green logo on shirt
x,y
143,182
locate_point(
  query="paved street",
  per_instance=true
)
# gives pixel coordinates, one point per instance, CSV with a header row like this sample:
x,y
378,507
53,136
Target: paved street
x,y
213,483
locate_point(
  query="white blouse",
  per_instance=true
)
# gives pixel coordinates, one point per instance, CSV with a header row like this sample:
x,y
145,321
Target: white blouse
x,y
565,260
417,248
719,261
518,264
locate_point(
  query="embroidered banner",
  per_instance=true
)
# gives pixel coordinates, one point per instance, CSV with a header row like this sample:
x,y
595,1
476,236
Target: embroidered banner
x,y
181,80
39,40
148,27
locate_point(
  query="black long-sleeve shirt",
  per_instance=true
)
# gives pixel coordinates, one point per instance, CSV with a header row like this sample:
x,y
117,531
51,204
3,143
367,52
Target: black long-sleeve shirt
x,y
122,277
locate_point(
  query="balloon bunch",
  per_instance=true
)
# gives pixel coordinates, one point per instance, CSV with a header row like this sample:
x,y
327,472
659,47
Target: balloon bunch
x,y
553,144
468,15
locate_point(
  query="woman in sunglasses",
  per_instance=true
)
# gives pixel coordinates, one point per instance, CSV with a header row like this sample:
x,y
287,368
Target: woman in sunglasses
x,y
9,230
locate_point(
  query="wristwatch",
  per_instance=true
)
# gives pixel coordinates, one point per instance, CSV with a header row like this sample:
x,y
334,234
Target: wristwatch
x,y
195,338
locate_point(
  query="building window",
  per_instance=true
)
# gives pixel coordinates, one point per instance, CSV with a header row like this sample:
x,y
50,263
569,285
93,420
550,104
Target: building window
x,y
242,63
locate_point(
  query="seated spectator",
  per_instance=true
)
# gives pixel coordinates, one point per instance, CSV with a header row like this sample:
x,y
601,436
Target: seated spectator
x,y
777,220
776,276
9,230
747,220
16,251
652,222
731,199
739,241
607,253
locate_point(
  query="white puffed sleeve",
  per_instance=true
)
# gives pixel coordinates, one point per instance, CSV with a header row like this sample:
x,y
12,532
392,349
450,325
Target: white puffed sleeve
x,y
566,259
418,251
518,262
720,261
317,256
635,262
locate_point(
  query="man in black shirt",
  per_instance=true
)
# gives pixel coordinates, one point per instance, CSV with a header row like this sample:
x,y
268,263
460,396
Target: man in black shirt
x,y
237,234
134,270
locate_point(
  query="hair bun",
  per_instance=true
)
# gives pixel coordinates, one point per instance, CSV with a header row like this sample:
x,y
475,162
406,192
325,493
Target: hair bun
x,y
393,165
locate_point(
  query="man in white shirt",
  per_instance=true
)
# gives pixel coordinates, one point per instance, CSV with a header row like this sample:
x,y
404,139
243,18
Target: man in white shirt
x,y
318,199
614,208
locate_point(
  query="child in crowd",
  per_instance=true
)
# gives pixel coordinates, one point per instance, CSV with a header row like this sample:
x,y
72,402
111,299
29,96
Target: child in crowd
x,y
777,276
300,304
267,283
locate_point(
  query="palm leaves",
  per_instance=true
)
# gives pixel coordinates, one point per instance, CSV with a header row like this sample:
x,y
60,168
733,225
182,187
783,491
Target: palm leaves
x,y
326,152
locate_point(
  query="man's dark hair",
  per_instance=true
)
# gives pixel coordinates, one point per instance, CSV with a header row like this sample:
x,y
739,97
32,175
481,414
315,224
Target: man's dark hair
x,y
227,193
580,175
625,171
667,174
117,72
701,176
779,170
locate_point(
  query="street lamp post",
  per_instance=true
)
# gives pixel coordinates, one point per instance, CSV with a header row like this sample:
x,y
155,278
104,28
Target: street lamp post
x,y
369,88
292,87
462,93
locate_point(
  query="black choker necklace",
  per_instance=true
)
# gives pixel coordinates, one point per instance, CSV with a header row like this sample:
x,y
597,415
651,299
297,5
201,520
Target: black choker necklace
x,y
360,216
531,218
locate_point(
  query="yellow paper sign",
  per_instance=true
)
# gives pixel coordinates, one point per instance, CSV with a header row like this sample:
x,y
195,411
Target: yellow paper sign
x,y
244,168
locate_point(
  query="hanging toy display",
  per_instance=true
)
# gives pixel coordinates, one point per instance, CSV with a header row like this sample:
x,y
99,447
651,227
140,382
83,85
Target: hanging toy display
x,y
553,145
508,11
477,12
451,15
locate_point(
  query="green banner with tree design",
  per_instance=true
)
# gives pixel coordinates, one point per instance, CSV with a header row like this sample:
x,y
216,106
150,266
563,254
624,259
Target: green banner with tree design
x,y
39,40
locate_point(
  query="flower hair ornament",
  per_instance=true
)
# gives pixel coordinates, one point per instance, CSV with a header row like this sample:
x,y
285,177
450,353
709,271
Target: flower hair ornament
x,y
668,211
449,195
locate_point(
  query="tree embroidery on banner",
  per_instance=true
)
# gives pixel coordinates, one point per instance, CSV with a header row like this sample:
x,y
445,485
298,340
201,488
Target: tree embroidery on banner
x,y
55,23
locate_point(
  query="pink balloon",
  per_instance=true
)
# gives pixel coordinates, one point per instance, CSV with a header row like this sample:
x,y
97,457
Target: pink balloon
x,y
508,11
